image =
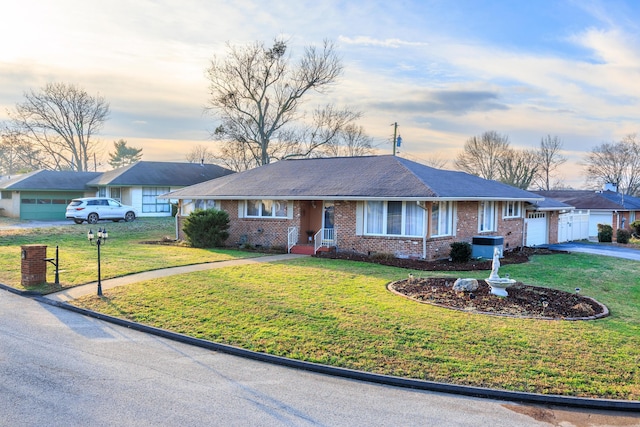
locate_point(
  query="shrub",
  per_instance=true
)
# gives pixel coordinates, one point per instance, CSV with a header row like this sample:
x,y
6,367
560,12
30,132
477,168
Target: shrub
x,y
460,252
635,225
605,233
623,236
207,228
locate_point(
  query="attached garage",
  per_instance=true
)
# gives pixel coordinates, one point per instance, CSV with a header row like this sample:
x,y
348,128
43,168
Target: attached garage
x,y
596,218
44,195
45,206
536,228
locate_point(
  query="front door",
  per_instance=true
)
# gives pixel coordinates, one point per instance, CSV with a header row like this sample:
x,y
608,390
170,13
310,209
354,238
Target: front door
x,y
328,221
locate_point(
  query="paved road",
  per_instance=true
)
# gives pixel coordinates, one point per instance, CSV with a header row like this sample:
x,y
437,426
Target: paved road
x,y
598,249
58,368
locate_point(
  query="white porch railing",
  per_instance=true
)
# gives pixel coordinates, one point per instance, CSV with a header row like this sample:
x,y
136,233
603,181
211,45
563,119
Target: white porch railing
x,y
325,237
292,238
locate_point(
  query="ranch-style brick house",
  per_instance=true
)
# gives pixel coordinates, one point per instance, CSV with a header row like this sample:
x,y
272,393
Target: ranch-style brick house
x,y
370,204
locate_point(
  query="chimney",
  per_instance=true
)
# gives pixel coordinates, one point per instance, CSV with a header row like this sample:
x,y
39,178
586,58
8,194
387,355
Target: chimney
x,y
610,186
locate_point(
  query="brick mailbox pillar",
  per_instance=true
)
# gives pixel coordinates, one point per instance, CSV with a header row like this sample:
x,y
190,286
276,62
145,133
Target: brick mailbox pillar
x,y
33,266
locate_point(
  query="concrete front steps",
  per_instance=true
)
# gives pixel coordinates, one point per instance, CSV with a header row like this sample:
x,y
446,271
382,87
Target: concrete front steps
x,y
307,249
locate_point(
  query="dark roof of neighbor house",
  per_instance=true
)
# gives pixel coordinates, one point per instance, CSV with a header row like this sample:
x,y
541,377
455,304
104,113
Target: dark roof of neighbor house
x,y
595,200
46,180
352,178
161,174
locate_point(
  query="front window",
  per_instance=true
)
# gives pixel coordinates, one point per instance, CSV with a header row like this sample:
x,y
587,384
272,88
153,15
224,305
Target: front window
x,y
394,219
102,192
486,216
116,193
441,219
150,203
511,210
266,208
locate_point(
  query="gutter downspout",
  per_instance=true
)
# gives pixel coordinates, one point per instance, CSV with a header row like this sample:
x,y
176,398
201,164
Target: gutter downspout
x,y
424,235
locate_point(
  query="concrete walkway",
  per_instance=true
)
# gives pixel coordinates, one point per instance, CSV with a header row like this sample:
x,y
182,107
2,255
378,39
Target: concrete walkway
x,y
598,249
92,288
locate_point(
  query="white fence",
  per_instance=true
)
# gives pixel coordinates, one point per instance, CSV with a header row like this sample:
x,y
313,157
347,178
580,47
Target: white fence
x,y
573,226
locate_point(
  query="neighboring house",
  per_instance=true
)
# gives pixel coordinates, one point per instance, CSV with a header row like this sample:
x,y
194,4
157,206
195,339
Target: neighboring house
x,y
372,204
44,195
139,184
599,207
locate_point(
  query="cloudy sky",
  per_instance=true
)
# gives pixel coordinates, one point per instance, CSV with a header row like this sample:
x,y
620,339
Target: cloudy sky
x,y
444,70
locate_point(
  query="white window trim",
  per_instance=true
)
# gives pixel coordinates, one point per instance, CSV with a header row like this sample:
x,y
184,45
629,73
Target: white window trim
x,y
245,206
384,221
450,222
492,210
517,209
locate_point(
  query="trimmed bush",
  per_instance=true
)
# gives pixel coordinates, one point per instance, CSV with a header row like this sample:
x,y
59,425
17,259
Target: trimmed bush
x,y
207,228
460,252
623,236
605,233
635,226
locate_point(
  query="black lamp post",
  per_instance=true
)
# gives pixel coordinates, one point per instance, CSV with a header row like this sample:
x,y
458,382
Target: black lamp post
x,y
102,239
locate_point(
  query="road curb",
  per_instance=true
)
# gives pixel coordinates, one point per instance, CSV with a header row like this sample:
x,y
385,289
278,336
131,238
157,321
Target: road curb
x,y
480,392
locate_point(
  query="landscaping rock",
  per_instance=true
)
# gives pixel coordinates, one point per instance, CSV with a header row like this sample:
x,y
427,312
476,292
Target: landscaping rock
x,y
465,285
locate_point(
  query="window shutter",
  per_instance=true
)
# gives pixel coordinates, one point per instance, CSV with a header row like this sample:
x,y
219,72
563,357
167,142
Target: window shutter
x,y
290,209
359,218
241,204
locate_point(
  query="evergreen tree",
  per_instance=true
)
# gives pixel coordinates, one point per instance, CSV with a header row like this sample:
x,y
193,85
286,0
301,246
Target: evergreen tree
x,y
124,156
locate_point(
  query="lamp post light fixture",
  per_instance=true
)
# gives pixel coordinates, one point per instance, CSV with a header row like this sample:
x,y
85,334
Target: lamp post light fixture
x,y
100,240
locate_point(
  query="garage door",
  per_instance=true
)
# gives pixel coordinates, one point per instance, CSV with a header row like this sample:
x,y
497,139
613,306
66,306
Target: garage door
x,y
45,206
536,228
596,218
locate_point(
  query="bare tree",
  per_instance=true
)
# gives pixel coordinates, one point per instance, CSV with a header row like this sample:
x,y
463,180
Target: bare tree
x,y
352,142
60,121
200,153
236,156
481,154
16,154
549,160
256,93
518,168
616,163
436,161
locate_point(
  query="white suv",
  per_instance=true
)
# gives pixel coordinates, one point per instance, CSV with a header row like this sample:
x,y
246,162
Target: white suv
x,y
92,209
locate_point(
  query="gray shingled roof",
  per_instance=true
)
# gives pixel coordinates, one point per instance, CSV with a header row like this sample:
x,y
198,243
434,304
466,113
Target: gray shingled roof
x,y
352,178
162,174
46,180
588,199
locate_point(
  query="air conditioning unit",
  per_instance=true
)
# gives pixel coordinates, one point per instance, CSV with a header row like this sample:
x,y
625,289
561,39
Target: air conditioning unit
x,y
483,246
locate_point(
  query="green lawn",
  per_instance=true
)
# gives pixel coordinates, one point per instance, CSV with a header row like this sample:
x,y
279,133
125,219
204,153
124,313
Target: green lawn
x,y
340,313
124,253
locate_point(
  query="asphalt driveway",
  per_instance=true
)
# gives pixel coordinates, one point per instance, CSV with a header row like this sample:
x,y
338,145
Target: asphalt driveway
x,y
626,252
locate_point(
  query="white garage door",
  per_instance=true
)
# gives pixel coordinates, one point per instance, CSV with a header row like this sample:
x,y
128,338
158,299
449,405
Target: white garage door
x,y
536,228
596,218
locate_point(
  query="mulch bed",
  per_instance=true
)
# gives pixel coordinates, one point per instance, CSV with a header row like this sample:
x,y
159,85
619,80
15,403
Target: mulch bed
x,y
523,300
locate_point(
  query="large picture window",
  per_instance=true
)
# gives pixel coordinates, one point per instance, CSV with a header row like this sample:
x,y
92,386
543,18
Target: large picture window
x,y
266,209
151,204
487,216
441,219
394,219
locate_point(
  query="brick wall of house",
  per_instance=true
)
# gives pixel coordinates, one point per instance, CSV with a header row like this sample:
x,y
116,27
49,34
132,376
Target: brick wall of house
x,y
273,232
267,232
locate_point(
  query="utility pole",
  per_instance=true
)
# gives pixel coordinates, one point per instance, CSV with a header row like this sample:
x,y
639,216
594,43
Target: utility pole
x,y
395,132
